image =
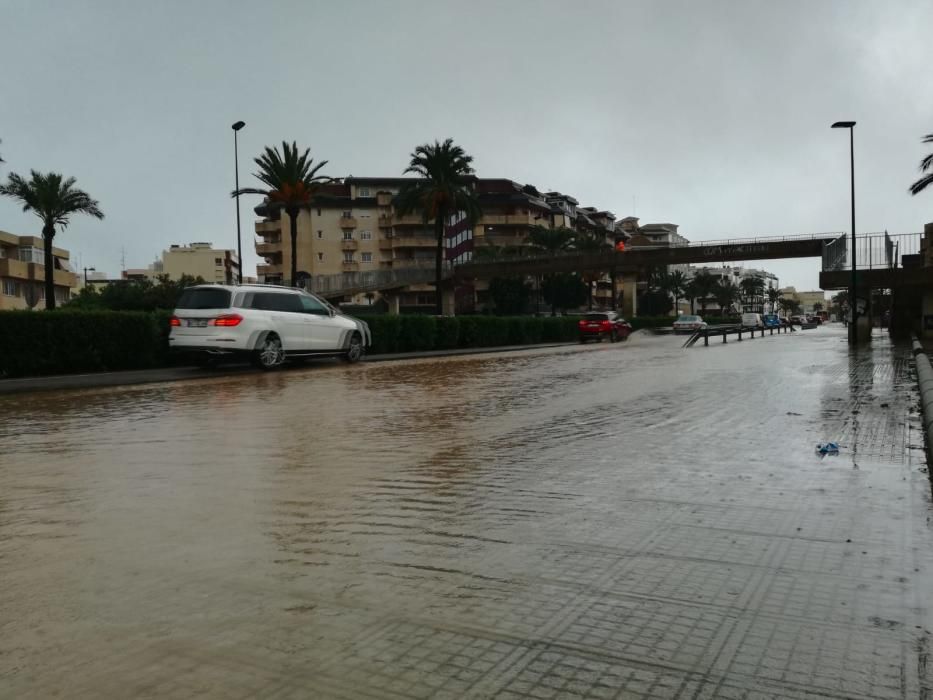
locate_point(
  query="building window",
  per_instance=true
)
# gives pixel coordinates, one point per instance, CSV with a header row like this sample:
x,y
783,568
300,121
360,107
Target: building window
x,y
364,192
366,257
366,235
31,255
320,234
365,215
320,256
219,262
347,256
347,215
9,288
348,235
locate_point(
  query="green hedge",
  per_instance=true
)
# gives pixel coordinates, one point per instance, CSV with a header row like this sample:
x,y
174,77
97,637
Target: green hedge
x,y
417,333
39,342
63,341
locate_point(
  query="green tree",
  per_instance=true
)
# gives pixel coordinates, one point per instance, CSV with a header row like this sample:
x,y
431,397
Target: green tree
x,y
774,294
292,182
674,284
444,187
925,165
791,306
726,294
509,294
703,285
590,242
564,291
817,307
551,241
53,198
752,289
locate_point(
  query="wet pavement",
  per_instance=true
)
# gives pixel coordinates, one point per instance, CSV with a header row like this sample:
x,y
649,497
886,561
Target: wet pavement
x,y
613,521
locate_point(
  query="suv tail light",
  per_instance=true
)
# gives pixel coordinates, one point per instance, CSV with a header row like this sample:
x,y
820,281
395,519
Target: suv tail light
x,y
227,320
606,325
174,321
581,324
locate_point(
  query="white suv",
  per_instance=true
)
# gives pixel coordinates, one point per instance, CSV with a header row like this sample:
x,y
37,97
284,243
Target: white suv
x,y
265,323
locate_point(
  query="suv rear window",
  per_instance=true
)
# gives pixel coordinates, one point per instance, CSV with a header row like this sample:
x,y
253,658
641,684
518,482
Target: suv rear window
x,y
204,298
273,301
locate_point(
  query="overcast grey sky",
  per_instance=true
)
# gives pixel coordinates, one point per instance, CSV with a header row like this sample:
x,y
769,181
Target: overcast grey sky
x,y
710,114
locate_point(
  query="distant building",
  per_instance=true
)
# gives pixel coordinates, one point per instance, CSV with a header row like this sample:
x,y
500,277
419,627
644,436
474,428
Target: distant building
x,y
806,299
200,260
22,272
735,274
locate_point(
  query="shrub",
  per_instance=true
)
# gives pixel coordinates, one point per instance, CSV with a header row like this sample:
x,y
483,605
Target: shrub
x,y
447,332
416,333
39,342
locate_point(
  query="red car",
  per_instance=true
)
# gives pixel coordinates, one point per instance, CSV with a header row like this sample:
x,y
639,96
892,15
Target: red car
x,y
604,324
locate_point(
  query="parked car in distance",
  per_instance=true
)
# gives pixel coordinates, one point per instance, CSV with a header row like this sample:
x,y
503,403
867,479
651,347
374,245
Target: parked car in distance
x,y
689,322
771,321
266,324
799,320
752,320
604,324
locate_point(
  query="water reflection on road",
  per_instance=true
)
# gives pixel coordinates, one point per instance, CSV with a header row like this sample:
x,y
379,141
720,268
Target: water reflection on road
x,y
631,517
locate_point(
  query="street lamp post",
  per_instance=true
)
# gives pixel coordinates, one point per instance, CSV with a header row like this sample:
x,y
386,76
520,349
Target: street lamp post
x,y
85,274
853,335
236,169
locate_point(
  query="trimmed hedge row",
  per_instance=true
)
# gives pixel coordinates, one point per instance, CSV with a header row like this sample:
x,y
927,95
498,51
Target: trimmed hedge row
x,y
38,342
419,333
63,341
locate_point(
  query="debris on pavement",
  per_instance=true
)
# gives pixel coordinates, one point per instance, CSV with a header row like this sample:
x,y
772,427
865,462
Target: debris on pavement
x,y
828,448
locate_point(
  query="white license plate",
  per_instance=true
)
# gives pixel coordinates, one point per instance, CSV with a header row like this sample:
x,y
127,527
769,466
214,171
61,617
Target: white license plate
x,y
197,323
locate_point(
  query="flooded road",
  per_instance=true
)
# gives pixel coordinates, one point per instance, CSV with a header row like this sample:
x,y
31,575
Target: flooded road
x,y
631,520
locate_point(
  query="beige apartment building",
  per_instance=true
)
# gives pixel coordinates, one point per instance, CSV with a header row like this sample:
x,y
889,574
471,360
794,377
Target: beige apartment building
x,y
200,260
22,272
806,299
352,227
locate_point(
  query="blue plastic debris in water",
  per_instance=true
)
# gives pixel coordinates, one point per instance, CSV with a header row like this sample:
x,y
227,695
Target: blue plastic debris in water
x,y
829,448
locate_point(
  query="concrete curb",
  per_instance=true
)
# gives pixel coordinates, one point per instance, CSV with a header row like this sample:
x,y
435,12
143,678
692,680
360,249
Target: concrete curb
x,y
172,374
925,381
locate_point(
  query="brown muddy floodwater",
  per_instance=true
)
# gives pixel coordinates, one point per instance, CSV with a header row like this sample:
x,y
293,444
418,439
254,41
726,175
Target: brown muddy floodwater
x,y
631,521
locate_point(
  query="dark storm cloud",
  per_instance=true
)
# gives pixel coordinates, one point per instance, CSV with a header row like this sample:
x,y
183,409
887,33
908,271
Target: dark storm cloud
x,y
712,115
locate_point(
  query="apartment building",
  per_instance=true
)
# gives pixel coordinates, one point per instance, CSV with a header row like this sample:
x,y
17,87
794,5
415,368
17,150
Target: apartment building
x,y
806,299
353,227
22,272
199,259
735,274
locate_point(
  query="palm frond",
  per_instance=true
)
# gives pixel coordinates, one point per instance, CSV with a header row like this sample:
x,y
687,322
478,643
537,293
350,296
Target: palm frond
x,y
921,184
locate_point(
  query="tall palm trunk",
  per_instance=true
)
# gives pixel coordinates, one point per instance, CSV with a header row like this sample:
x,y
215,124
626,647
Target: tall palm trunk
x,y
293,235
48,233
439,262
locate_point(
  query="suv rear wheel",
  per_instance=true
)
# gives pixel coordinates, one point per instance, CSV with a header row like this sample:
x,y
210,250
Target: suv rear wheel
x,y
269,354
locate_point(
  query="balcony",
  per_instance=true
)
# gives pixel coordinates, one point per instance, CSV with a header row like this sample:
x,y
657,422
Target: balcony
x,y
408,220
383,199
385,243
268,227
350,266
349,244
385,222
268,269
347,222
269,248
414,242
10,267
509,220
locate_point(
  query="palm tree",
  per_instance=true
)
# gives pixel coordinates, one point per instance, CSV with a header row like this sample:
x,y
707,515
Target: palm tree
x,y
817,307
702,286
774,294
925,165
53,198
726,294
551,241
752,289
675,284
444,188
590,242
291,181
